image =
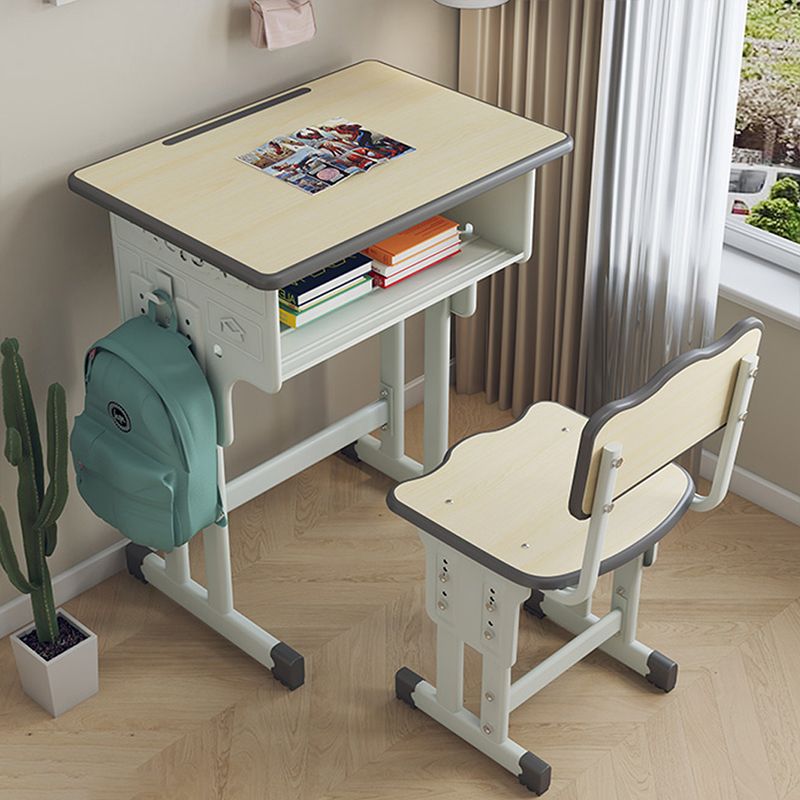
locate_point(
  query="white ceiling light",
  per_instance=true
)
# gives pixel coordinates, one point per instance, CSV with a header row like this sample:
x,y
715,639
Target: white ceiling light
x,y
471,3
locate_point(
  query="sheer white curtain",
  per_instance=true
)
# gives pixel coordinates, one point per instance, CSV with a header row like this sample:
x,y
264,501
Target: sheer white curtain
x,y
669,77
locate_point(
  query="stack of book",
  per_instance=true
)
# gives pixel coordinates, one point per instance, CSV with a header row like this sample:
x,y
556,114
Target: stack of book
x,y
407,253
325,290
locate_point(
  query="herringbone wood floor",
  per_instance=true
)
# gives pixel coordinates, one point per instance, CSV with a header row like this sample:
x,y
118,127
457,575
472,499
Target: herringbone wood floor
x,y
322,563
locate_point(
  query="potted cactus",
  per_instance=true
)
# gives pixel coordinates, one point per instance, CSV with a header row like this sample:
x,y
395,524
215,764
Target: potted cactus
x,y
56,656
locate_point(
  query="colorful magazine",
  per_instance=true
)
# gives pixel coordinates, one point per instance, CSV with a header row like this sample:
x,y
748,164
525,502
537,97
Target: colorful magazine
x,y
319,156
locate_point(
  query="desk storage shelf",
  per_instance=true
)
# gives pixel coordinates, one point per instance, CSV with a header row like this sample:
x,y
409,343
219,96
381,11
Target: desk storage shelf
x,y
363,318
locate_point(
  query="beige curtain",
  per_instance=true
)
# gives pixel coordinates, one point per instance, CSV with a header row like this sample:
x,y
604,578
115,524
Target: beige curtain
x,y
538,58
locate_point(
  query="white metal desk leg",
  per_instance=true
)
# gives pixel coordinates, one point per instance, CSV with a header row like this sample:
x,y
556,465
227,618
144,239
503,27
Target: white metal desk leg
x,y
387,454
437,382
393,355
217,548
177,564
214,605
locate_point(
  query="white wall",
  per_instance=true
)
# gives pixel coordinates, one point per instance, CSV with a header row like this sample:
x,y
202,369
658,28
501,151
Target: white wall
x,y
770,446
84,81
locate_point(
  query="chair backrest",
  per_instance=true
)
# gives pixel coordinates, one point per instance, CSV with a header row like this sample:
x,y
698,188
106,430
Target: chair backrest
x,y
682,404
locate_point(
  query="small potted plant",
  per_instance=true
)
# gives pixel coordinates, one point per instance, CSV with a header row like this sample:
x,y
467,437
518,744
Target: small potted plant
x,y
56,656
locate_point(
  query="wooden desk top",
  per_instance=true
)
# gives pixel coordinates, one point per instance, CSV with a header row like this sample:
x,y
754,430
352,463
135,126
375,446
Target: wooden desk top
x,y
189,188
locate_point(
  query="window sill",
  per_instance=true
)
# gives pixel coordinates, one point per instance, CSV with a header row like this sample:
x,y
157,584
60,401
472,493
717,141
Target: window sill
x,y
761,286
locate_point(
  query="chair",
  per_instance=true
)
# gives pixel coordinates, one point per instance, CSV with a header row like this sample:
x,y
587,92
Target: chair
x,y
535,512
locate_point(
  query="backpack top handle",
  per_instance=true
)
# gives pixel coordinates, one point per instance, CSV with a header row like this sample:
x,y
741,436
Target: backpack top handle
x,y
684,402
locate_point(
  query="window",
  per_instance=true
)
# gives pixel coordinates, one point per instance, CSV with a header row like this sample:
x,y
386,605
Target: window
x,y
747,180
764,185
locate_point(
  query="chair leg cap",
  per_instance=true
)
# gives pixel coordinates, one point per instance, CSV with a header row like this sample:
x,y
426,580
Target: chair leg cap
x,y
405,681
288,666
663,671
535,773
349,452
533,605
135,554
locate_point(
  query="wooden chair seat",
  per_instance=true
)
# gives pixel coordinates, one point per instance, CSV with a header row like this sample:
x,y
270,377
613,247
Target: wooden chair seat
x,y
501,498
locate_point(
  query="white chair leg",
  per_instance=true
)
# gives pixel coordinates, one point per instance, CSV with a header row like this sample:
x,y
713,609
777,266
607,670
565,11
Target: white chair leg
x,y
470,604
449,670
659,670
495,708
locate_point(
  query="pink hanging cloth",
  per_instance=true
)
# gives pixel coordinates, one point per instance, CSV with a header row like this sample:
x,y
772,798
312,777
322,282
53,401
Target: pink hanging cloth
x,y
281,23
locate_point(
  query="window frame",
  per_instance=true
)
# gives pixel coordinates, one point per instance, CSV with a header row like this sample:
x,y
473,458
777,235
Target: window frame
x,y
763,244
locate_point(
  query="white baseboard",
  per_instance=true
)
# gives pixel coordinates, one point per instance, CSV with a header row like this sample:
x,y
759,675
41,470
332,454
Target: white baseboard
x,y
70,583
756,489
414,392
415,389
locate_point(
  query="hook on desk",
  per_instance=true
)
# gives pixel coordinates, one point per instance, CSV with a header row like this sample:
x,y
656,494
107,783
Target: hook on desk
x,y
152,297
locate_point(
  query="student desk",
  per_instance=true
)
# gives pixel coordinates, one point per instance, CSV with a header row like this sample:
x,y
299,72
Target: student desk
x,y
221,238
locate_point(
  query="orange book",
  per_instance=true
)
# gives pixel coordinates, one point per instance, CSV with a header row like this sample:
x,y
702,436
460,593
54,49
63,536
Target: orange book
x,y
414,240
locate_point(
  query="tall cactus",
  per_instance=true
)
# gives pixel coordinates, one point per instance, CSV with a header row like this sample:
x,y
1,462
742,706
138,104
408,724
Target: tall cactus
x,y
39,508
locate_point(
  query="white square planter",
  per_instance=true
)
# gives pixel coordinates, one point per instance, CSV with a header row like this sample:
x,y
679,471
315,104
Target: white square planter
x,y
64,681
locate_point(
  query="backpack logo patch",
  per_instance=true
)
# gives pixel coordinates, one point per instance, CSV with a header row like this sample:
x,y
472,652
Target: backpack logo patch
x,y
120,416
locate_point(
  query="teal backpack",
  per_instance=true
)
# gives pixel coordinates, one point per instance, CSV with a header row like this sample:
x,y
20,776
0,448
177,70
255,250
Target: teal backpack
x,y
144,447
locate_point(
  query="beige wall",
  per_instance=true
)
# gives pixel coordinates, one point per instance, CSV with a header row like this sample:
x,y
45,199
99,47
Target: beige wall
x,y
770,445
84,81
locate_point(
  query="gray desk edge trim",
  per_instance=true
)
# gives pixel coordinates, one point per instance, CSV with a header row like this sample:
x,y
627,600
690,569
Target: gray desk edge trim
x,y
301,269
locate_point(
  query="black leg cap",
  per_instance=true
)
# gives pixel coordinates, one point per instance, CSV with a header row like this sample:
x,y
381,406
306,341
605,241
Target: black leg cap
x,y
405,681
135,554
349,452
533,605
535,773
289,667
663,671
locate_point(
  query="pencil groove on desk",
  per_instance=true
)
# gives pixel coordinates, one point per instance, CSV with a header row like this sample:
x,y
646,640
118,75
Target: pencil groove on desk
x,y
245,112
